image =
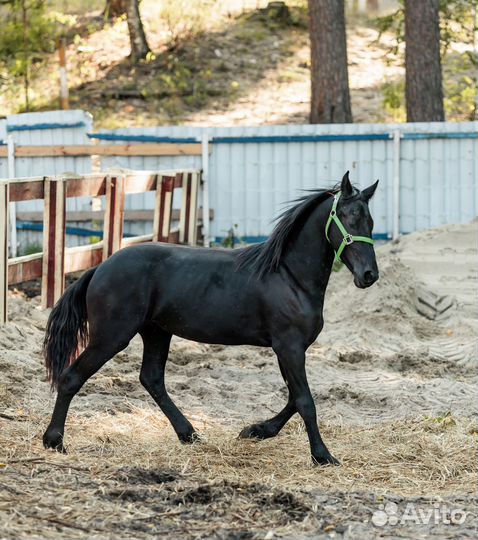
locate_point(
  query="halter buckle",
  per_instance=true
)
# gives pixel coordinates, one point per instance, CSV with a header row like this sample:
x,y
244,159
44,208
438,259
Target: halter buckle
x,y
348,239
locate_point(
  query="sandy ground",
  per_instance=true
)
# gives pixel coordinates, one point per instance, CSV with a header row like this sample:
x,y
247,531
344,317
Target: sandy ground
x,y
395,394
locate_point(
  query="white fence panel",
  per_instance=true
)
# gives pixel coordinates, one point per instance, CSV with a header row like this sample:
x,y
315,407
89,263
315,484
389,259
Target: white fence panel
x,y
145,201
253,171
44,129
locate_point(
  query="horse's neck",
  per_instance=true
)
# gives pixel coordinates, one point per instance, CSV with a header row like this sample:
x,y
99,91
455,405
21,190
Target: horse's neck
x,y
310,256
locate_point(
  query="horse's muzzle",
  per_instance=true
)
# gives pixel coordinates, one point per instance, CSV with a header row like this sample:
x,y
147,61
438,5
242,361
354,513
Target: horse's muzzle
x,y
365,279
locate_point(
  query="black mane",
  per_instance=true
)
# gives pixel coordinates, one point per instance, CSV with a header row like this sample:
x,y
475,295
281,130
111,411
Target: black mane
x,y
265,257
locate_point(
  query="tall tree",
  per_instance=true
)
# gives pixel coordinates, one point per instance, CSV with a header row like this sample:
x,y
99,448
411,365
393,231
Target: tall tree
x,y
330,101
423,77
137,37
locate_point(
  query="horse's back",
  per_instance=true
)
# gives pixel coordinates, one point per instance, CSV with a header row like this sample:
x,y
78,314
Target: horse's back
x,y
196,293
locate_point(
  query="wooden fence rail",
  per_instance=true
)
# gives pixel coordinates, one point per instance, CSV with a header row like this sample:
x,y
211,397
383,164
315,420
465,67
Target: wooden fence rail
x,y
78,150
56,260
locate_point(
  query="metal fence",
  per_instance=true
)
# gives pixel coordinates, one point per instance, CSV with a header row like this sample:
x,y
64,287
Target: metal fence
x,y
428,171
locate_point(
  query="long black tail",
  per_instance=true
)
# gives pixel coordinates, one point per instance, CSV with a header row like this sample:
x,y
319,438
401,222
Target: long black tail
x,y
67,328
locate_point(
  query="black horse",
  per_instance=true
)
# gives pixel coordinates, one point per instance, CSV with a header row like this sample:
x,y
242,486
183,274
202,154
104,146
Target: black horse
x,y
270,295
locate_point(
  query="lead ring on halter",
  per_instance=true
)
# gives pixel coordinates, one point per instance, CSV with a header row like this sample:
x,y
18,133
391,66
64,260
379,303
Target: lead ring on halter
x,y
347,238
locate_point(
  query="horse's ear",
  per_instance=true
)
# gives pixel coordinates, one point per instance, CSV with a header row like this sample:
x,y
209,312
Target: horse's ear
x,y
346,186
367,193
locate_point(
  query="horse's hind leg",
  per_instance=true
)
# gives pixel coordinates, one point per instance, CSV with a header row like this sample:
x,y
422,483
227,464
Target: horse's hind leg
x,y
71,380
155,354
271,427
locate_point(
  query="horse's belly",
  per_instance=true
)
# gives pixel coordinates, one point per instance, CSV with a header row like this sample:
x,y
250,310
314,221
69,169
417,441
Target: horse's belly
x,y
215,319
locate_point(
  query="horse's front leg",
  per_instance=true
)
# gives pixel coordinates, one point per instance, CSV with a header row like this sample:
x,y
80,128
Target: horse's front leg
x,y
291,356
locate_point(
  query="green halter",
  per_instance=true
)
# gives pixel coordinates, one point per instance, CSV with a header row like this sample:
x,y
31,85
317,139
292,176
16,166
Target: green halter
x,y
347,238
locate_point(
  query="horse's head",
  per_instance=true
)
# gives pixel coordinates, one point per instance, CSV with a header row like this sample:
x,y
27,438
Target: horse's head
x,y
349,230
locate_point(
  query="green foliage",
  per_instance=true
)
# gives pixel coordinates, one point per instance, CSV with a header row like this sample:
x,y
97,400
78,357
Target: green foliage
x,y
395,23
28,34
20,45
460,87
457,22
456,26
31,249
231,240
394,100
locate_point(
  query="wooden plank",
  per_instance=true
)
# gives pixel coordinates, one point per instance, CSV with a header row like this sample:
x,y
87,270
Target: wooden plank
x,y
114,215
88,186
26,190
183,230
83,257
94,186
193,208
139,183
163,208
25,268
53,274
132,240
174,237
138,149
4,199
188,219
98,215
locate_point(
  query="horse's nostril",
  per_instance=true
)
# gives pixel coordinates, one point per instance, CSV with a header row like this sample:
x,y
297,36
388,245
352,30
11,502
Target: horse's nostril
x,y
369,276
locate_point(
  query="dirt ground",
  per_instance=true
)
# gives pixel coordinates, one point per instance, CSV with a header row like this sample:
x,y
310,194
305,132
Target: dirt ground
x,y
396,400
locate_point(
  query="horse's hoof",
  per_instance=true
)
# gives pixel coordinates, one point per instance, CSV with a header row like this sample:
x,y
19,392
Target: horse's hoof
x,y
54,440
327,459
189,438
256,431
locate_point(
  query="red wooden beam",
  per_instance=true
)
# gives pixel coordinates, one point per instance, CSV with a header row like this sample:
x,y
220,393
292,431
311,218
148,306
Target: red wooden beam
x,y
114,215
88,186
53,275
163,208
26,190
25,268
83,257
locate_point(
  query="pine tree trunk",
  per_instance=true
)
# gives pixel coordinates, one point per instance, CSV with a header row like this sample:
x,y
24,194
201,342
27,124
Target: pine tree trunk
x,y
423,80
330,102
139,45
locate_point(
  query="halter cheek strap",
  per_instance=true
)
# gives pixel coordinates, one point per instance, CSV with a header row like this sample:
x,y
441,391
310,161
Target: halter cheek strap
x,y
347,238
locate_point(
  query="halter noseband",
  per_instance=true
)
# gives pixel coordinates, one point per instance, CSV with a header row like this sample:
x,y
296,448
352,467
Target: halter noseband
x,y
347,238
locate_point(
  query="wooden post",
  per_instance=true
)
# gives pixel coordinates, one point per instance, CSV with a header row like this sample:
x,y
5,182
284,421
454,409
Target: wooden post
x,y
188,218
64,94
114,215
3,252
53,270
163,208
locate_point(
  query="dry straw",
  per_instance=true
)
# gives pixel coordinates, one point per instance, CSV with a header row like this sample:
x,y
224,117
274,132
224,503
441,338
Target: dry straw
x,y
127,475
